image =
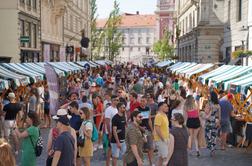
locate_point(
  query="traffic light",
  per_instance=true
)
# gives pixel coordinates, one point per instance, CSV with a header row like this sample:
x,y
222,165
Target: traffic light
x,y
84,42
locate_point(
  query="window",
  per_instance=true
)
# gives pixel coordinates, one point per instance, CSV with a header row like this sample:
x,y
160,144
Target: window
x,y
122,49
123,40
139,40
139,49
71,22
29,2
34,4
239,10
131,40
131,48
190,22
229,9
147,50
34,36
193,21
147,40
22,2
29,33
22,30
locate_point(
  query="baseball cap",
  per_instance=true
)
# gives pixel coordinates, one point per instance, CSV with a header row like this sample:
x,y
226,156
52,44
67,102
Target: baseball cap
x,y
61,113
64,120
11,95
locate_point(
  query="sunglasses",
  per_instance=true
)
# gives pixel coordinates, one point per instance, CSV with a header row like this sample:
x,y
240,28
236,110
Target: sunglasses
x,y
140,116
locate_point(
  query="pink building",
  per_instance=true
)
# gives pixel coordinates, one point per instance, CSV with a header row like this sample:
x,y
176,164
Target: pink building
x,y
165,17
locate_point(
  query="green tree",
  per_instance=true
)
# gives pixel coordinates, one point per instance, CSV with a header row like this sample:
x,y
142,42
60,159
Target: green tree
x,y
113,38
97,36
163,48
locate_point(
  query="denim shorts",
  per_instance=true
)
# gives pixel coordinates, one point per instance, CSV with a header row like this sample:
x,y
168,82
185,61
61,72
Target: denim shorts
x,y
116,152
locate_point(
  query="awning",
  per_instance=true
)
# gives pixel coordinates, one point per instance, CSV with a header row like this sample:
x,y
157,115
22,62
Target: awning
x,y
182,65
4,84
190,69
232,75
17,78
35,67
103,62
82,63
237,80
180,69
24,71
58,71
75,65
163,64
60,67
199,70
175,65
183,70
213,73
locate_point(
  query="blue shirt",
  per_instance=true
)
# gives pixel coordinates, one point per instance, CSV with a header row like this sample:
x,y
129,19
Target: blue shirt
x,y
226,109
65,144
75,121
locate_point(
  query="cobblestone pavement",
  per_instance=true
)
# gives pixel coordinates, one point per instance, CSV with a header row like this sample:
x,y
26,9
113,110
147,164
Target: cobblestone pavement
x,y
230,157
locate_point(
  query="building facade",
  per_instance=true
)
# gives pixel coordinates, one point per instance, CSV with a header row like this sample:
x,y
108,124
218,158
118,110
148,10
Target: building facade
x,y
76,24
52,12
20,31
238,27
138,36
200,30
165,17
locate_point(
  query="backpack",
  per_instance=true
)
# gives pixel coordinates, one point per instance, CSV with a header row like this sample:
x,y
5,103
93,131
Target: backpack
x,y
38,147
95,136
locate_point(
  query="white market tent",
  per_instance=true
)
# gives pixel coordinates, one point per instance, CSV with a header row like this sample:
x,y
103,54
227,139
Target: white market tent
x,y
199,70
180,66
231,74
213,73
193,68
175,65
17,78
237,81
24,71
163,64
181,69
57,70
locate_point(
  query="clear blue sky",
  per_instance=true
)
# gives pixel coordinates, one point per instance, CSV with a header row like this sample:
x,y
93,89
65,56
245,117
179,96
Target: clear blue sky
x,y
129,6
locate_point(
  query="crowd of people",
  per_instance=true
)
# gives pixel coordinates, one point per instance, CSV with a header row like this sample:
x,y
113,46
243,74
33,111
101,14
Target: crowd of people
x,y
126,111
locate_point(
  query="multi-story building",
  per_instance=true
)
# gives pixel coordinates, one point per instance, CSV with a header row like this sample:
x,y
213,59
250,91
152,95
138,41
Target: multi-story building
x,y
52,13
165,15
20,31
238,27
76,23
201,30
138,36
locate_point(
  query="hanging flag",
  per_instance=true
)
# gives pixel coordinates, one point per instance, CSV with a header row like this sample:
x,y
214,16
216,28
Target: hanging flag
x,y
53,87
46,53
62,54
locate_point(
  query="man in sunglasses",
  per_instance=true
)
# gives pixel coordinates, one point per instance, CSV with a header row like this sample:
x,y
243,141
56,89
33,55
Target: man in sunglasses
x,y
134,141
118,145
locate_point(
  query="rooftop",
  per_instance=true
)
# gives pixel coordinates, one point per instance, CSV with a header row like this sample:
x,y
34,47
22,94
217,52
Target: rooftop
x,y
132,20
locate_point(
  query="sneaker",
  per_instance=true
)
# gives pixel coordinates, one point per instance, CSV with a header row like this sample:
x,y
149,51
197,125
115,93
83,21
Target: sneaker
x,y
95,148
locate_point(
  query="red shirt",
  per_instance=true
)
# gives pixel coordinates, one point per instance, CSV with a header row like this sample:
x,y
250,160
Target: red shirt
x,y
134,105
99,110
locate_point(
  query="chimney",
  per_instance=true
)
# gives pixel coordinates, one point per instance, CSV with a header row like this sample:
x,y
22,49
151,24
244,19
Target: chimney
x,y
137,12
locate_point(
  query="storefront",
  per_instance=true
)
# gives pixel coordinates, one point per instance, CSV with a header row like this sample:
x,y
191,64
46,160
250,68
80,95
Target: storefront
x,y
30,56
54,51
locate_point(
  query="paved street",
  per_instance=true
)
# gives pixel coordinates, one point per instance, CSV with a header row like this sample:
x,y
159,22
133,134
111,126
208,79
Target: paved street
x,y
230,157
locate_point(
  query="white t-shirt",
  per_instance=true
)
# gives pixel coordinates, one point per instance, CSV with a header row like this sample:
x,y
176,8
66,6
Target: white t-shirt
x,y
110,112
174,111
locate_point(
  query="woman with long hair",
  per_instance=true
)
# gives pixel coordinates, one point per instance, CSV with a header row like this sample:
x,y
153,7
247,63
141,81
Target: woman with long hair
x,y
6,156
212,122
30,137
86,129
193,122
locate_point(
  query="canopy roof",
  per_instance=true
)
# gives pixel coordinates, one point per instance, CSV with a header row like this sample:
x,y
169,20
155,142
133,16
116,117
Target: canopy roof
x,y
199,70
17,78
185,67
163,63
18,68
180,66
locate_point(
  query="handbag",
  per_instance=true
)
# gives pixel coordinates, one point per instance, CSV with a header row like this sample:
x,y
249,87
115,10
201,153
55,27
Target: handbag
x,y
80,141
38,147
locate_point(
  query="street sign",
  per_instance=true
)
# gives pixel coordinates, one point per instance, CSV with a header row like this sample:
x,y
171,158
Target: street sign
x,y
24,39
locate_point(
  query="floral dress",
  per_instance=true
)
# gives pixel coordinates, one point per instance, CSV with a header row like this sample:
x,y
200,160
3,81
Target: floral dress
x,y
211,129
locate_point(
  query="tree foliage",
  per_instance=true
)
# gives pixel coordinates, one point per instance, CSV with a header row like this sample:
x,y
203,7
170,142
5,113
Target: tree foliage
x,y
113,37
97,37
163,48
